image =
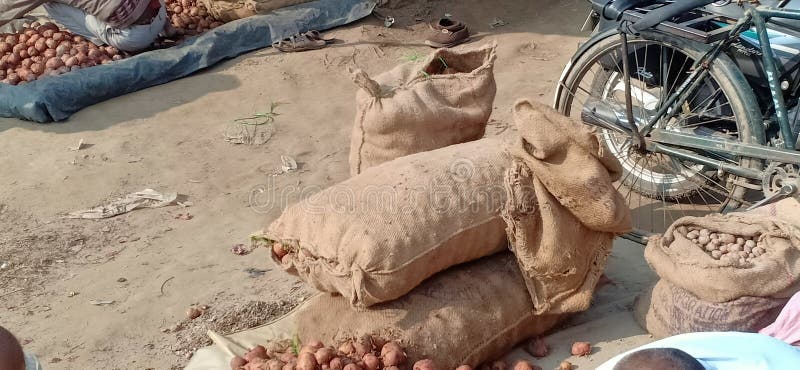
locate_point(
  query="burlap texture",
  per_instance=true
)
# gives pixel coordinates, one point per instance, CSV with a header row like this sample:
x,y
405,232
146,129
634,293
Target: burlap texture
x,y
376,236
231,10
666,310
469,314
775,274
562,236
415,108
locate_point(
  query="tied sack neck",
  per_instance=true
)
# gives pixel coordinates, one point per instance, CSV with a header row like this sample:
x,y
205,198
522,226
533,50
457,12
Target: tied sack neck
x,y
572,165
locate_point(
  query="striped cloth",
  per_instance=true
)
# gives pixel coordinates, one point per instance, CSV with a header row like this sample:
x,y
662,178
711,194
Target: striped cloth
x,y
128,12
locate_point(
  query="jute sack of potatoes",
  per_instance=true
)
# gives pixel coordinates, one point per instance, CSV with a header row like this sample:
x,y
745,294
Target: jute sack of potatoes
x,y
377,235
231,10
417,107
666,310
562,238
469,314
760,258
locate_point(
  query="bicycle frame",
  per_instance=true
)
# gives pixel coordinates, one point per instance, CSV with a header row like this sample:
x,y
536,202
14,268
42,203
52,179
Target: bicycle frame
x,y
664,141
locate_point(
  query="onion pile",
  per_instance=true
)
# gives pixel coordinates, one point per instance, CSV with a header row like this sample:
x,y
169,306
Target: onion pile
x,y
369,353
722,246
189,17
43,50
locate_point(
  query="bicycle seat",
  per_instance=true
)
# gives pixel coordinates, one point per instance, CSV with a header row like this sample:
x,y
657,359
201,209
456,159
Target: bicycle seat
x,y
613,9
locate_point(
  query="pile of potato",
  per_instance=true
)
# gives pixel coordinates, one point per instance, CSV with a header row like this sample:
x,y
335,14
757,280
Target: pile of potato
x,y
189,17
722,246
44,50
369,354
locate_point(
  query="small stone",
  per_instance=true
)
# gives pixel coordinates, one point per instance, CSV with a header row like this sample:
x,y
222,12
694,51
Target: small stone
x,y
740,241
750,243
122,280
71,294
716,254
106,229
165,330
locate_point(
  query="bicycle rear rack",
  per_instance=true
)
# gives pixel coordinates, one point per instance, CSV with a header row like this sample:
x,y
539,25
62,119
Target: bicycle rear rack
x,y
688,28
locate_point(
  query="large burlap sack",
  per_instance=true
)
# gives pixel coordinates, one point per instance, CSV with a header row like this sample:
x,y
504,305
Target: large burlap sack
x,y
231,10
468,314
376,236
666,310
563,211
775,274
416,108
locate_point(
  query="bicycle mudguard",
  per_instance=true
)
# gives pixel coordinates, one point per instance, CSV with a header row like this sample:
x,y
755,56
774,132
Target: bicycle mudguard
x,y
756,127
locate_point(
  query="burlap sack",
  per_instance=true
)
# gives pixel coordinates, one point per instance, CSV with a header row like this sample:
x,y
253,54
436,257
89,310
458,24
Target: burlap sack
x,y
376,236
231,10
416,108
775,274
468,314
562,238
666,310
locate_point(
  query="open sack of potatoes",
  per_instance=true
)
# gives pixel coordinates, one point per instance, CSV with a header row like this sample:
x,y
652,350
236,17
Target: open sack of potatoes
x,y
723,272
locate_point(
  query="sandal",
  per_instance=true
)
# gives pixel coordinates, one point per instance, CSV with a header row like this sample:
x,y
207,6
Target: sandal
x,y
315,35
297,43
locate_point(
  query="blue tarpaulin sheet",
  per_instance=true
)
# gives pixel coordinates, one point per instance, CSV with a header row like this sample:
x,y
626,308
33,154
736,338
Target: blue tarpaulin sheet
x,y
57,98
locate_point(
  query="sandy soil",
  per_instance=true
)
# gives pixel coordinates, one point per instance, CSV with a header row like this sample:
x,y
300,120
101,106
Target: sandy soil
x,y
172,138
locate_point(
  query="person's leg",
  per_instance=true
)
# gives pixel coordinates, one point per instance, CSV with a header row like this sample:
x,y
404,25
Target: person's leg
x,y
138,37
76,21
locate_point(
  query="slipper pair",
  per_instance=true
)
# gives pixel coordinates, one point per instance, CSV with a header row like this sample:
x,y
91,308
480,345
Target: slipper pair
x,y
310,40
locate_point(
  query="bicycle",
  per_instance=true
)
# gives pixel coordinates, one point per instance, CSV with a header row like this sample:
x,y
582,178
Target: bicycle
x,y
709,96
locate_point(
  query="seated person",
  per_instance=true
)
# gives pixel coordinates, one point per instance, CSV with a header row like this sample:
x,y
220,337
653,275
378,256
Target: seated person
x,y
129,25
11,355
711,350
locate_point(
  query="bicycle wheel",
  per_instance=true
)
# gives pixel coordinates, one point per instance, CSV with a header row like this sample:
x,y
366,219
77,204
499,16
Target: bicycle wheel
x,y
658,188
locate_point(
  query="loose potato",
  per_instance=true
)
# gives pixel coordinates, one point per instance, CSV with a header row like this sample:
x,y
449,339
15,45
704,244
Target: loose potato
x,y
237,362
425,365
393,358
371,362
307,361
275,364
352,367
288,357
537,348
291,365
37,68
464,367
256,352
336,364
12,79
496,365
390,346
565,365
324,355
582,348
525,365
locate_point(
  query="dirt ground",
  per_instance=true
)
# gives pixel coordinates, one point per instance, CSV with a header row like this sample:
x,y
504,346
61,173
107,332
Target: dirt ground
x,y
152,265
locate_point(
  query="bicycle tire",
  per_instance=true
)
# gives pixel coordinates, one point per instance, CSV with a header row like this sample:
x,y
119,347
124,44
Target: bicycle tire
x,y
723,72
